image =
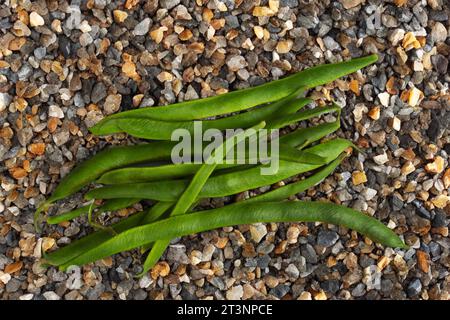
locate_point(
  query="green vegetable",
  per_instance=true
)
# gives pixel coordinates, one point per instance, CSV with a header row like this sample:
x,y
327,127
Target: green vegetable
x,y
183,225
222,185
247,98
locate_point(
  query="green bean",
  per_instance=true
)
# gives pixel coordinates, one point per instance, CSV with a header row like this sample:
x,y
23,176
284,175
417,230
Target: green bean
x,y
189,196
148,128
286,120
110,205
222,185
247,98
302,136
197,222
291,189
92,240
102,162
171,171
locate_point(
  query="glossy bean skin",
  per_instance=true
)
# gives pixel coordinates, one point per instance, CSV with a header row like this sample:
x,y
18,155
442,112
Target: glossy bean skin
x,y
173,171
92,240
286,120
147,128
79,246
304,136
247,98
297,211
192,191
222,185
110,205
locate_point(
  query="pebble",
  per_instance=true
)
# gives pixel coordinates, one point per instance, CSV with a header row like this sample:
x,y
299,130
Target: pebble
x,y
438,32
5,100
142,27
169,4
55,112
414,288
258,232
292,271
112,103
36,20
236,63
235,293
51,295
327,238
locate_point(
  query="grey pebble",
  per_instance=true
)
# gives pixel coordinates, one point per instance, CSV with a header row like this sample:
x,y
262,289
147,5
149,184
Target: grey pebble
x,y
414,288
326,238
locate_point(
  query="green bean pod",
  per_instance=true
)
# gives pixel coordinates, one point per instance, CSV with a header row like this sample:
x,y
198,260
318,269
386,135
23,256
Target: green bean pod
x,y
92,240
148,128
246,98
189,196
222,185
296,211
110,205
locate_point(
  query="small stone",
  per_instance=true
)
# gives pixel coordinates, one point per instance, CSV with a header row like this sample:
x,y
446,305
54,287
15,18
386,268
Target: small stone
x,y
258,231
292,271
441,201
169,4
85,39
112,103
236,63
331,44
28,296
384,98
292,234
55,112
284,46
36,20
395,123
440,63
348,4
260,11
437,166
120,16
408,168
374,113
305,295
259,32
410,41
37,149
422,261
327,238
142,27
235,293
85,27
414,288
438,32
161,269
164,76
47,243
51,295
20,29
396,36
5,100
158,34
415,95
381,158
358,177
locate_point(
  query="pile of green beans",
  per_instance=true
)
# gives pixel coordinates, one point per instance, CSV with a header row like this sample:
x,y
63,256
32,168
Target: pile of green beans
x,y
128,175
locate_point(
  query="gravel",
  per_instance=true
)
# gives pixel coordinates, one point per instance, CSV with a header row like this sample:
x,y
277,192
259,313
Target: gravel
x,y
63,67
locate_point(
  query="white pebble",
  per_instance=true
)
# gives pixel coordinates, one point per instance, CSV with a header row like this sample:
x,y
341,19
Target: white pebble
x,y
51,295
384,98
36,20
27,296
85,27
55,112
381,158
4,277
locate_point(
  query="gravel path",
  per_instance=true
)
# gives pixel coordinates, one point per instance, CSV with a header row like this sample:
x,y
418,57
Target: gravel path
x,y
65,65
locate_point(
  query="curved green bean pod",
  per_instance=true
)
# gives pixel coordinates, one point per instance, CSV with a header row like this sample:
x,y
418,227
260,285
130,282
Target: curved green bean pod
x,y
105,160
183,225
92,240
192,191
171,171
286,120
247,98
110,205
309,135
222,185
148,128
